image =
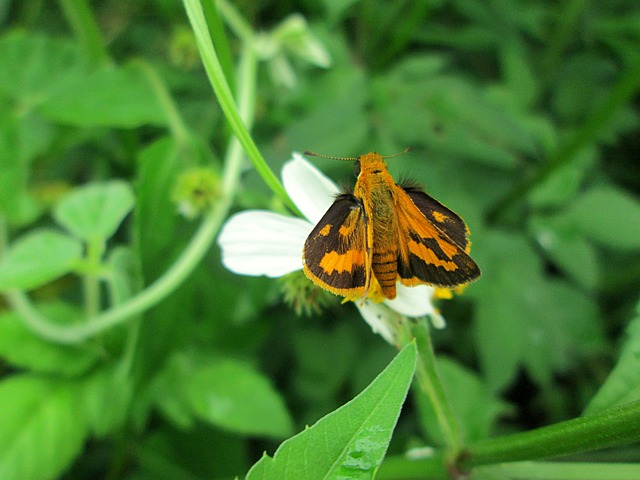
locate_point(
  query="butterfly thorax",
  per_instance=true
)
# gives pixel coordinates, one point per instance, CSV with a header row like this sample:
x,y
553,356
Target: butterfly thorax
x,y
375,189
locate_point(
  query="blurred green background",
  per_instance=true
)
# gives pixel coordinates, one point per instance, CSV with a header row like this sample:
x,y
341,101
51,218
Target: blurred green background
x,y
523,117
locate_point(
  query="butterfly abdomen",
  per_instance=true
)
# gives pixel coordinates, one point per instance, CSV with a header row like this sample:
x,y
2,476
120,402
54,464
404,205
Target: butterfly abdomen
x,y
385,269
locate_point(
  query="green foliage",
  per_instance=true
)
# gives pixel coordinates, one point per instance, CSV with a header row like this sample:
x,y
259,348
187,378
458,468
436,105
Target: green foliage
x,y
621,385
223,392
95,211
43,412
128,351
37,258
23,349
351,441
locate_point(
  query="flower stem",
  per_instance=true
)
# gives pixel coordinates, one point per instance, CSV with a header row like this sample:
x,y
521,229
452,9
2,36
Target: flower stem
x,y
615,426
563,471
225,98
212,12
430,384
236,22
178,128
90,279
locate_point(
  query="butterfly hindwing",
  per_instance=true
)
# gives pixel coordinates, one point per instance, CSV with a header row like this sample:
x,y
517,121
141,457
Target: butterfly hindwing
x,y
433,243
336,253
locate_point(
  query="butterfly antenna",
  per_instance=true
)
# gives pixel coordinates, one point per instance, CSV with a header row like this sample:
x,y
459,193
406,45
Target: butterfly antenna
x,y
406,150
330,157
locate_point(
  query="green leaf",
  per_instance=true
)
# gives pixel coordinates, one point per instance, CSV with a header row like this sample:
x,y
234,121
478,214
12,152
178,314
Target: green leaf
x,y
33,65
608,216
623,383
565,182
517,72
42,427
540,323
21,138
106,398
351,441
114,97
226,393
498,311
574,98
568,249
22,348
95,211
38,258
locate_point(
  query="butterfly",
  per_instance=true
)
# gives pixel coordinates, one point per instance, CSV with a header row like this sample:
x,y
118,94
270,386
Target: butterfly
x,y
382,233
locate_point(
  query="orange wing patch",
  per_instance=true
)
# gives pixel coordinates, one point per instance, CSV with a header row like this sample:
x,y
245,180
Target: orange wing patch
x,y
336,259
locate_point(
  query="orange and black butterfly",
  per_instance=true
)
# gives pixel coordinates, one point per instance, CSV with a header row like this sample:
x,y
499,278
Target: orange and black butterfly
x,y
382,233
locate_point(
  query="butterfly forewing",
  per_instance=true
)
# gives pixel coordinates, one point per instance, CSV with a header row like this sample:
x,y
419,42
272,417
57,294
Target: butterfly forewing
x,y
433,243
336,254
444,219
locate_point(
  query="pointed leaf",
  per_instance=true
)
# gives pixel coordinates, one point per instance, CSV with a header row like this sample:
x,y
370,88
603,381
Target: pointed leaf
x,y
33,64
106,397
233,395
42,427
95,211
121,97
623,384
351,441
38,258
224,392
609,216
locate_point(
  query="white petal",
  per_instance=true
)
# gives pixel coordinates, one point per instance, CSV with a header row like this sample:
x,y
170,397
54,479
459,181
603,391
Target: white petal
x,y
311,191
413,301
379,318
258,242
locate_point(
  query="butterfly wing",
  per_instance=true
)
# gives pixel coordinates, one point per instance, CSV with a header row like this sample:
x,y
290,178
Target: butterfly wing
x,y
434,242
337,252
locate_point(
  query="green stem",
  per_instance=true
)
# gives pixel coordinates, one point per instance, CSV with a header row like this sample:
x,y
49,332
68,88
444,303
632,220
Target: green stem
x,y
562,471
236,22
621,93
177,125
137,304
430,384
225,98
615,426
220,40
248,74
85,27
90,279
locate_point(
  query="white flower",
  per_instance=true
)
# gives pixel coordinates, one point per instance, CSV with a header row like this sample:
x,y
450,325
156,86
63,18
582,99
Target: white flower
x,y
259,242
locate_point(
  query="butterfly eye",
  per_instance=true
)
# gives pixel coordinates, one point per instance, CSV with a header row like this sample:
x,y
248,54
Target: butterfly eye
x,y
356,168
